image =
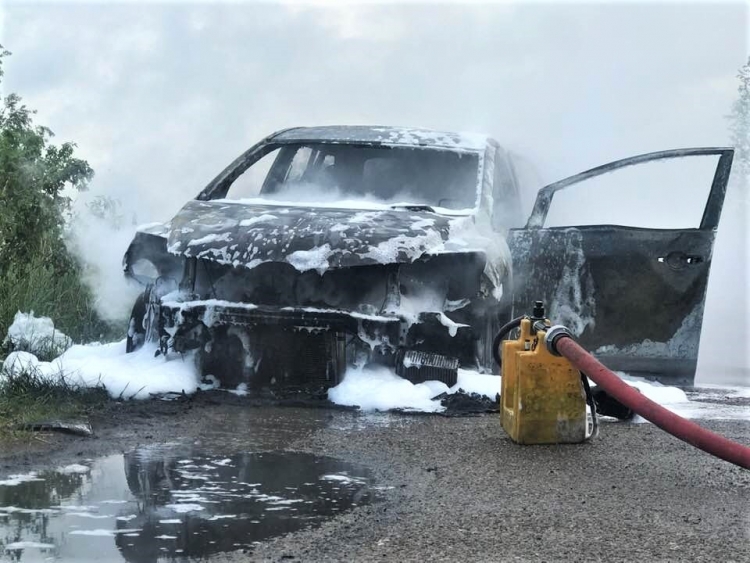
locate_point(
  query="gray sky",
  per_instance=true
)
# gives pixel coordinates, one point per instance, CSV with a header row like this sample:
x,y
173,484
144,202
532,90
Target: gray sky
x,y
160,97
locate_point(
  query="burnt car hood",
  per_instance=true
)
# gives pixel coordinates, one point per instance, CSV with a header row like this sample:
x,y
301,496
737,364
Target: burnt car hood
x,y
308,238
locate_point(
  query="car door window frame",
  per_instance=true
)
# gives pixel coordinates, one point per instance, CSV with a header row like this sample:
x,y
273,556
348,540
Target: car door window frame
x,y
714,202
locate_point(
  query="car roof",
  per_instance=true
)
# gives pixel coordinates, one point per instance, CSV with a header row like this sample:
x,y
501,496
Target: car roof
x,y
386,135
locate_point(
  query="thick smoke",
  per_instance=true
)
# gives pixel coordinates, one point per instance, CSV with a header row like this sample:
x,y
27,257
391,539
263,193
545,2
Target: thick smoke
x,y
100,240
721,353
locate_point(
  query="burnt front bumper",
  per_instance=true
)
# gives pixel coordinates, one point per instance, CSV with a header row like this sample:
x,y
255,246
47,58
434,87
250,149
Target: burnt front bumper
x,y
177,317
321,342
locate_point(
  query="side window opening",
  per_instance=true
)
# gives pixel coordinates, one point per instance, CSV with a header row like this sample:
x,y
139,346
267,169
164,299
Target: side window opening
x,y
249,184
301,171
661,194
299,165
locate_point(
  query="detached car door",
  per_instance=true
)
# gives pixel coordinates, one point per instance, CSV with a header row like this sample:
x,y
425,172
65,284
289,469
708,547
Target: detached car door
x,y
633,296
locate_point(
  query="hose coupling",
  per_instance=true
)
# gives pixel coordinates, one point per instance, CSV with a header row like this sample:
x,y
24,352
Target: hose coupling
x,y
553,335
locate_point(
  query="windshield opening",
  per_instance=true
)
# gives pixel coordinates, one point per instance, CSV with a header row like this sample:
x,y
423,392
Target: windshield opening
x,y
323,172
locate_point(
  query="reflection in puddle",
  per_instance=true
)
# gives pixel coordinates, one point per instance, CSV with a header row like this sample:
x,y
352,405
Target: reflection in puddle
x,y
168,503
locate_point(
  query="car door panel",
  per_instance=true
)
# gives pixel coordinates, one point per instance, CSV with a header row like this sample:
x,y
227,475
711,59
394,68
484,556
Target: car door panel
x,y
633,296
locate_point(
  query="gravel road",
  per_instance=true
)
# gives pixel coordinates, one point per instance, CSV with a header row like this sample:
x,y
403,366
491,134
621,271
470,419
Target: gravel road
x,y
458,489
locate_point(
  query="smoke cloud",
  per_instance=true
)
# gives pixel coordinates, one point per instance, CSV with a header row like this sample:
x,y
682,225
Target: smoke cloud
x,y
99,242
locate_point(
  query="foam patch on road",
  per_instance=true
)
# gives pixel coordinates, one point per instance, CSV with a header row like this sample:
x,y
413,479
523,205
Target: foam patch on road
x,y
75,468
137,375
28,545
140,375
658,393
380,389
702,405
479,383
15,480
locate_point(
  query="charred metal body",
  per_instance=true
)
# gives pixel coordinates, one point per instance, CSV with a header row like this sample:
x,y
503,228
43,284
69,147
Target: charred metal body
x,y
417,270
275,293
634,296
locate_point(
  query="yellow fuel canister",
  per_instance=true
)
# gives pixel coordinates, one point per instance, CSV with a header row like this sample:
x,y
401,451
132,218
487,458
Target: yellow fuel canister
x,y
542,398
509,380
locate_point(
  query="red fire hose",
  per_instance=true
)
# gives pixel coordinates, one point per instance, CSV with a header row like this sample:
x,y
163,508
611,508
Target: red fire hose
x,y
560,342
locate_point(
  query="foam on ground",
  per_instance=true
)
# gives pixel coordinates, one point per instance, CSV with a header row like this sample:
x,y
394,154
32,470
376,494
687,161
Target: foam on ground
x,y
140,375
479,383
677,401
657,392
35,334
378,388
134,376
28,545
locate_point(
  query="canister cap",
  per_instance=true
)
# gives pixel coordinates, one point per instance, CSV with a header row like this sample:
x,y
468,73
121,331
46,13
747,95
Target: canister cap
x,y
538,312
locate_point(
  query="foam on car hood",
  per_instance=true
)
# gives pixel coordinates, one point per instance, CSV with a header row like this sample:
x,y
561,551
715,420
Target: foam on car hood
x,y
239,234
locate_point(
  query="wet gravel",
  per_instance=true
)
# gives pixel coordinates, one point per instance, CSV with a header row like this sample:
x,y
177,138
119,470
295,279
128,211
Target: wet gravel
x,y
465,492
461,490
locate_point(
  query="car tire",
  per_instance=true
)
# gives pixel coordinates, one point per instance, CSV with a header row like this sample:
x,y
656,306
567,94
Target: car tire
x,y
136,331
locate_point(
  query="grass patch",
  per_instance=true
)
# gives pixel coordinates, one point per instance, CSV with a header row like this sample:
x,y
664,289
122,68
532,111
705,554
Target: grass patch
x,y
26,396
38,286
45,349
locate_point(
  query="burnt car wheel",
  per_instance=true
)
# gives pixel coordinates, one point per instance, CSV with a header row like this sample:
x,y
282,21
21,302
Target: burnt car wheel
x,y
142,325
136,331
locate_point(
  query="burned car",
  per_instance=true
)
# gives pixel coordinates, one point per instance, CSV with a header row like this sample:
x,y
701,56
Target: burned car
x,y
324,247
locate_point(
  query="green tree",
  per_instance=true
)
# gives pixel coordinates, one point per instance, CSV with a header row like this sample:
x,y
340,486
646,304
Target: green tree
x,y
37,182
740,126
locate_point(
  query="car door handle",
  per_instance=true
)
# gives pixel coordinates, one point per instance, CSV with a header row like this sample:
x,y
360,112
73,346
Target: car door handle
x,y
679,260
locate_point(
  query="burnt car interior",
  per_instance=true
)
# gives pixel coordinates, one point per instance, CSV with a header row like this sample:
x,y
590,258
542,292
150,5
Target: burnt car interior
x,y
416,175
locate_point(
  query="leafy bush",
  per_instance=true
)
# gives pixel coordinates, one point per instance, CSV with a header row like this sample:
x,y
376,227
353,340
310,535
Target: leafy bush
x,y
37,181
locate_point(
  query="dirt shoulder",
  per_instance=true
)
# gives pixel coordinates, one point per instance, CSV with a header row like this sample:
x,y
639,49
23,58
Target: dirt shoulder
x,y
116,426
120,426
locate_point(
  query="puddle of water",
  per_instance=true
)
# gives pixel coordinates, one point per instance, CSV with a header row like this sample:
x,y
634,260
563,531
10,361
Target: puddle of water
x,y
171,503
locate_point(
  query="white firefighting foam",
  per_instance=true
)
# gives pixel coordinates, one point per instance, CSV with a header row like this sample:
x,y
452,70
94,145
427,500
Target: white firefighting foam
x,y
35,333
131,376
141,375
378,388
